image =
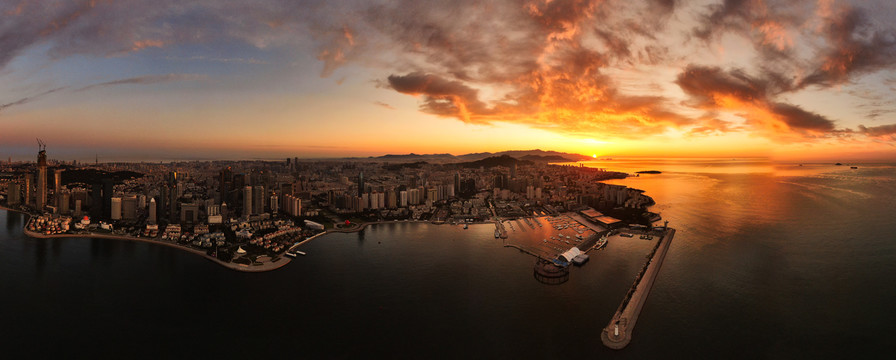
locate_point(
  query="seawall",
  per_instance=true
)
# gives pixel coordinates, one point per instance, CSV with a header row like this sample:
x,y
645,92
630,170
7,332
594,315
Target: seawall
x,y
618,332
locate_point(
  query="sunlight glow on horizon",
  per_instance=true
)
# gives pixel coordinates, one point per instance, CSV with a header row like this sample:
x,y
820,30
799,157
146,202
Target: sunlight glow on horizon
x,y
774,78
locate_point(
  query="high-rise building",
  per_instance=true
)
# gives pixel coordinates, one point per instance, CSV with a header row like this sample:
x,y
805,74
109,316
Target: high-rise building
x,y
57,181
41,200
107,199
258,199
151,214
115,208
78,205
14,194
247,201
391,199
456,182
162,210
129,207
360,183
26,193
189,213
62,202
172,198
432,194
374,204
275,203
96,202
225,184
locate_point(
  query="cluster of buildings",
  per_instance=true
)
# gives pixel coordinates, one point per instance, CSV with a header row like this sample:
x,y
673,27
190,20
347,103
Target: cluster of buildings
x,y
171,199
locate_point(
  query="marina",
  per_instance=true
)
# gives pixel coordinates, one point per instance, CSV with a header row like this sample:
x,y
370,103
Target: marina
x,y
563,233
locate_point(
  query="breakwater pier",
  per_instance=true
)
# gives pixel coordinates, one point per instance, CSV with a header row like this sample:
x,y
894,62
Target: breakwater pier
x,y
618,332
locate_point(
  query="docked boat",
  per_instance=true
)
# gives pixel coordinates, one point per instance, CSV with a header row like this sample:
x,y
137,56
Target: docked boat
x,y
601,242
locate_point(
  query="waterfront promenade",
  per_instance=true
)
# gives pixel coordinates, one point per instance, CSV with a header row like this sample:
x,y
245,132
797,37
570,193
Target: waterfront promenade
x,y
269,265
618,332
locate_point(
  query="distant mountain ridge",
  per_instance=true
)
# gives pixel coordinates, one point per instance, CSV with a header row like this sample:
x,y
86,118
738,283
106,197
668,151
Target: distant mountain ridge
x,y
536,155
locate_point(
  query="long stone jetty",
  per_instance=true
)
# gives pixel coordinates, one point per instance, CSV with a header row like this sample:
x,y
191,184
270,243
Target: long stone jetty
x,y
618,332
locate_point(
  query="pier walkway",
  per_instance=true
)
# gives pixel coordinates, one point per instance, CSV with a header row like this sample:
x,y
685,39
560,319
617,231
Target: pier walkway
x,y
296,245
618,332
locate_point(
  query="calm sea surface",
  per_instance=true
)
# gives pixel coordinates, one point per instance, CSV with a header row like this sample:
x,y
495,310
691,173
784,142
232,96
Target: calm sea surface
x,y
769,261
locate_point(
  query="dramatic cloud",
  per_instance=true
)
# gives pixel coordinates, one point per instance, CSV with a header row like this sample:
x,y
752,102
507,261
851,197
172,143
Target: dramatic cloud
x,y
854,47
442,97
713,89
611,68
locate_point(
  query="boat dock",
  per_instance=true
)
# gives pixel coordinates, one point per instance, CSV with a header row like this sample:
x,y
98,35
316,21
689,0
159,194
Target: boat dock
x,y
618,332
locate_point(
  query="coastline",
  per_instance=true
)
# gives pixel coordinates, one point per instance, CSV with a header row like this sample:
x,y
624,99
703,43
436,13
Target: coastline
x,y
268,266
363,225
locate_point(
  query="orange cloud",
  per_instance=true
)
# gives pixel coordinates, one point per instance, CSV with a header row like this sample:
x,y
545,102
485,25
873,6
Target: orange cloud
x,y
142,44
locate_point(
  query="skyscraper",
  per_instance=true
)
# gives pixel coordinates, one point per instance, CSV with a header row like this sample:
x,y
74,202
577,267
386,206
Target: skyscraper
x,y
107,199
96,201
225,184
115,208
172,198
257,199
162,209
57,181
151,216
26,194
41,194
14,196
360,183
247,201
275,203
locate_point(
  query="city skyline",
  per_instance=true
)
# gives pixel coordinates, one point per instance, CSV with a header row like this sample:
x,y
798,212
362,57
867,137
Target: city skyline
x,y
137,80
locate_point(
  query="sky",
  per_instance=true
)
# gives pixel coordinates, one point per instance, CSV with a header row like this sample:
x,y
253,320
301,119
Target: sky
x,y
266,79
